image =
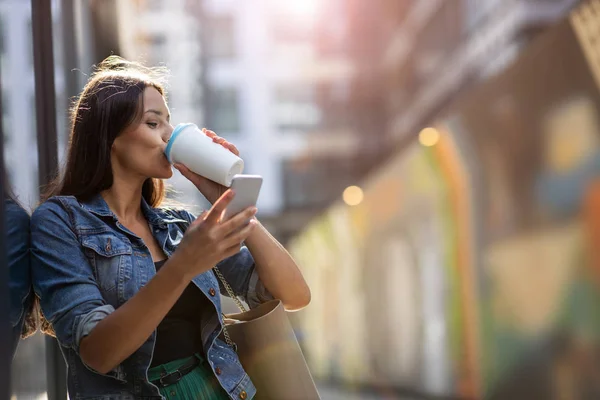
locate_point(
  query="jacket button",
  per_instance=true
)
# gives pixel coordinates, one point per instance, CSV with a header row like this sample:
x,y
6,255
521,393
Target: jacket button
x,y
212,292
218,371
243,395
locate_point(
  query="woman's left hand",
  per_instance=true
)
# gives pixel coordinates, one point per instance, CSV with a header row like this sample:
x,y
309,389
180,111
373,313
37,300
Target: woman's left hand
x,y
209,189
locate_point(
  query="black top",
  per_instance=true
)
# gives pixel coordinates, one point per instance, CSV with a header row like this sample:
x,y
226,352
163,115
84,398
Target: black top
x,y
178,334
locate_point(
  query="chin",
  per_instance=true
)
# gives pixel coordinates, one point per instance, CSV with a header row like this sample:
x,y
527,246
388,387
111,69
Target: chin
x,y
168,174
163,174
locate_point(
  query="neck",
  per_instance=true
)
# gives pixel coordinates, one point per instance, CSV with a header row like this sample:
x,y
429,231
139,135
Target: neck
x,y
124,199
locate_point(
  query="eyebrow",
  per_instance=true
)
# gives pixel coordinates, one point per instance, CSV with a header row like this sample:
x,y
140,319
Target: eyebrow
x,y
159,113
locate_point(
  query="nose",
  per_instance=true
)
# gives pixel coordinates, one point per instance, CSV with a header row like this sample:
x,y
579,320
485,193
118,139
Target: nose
x,y
168,132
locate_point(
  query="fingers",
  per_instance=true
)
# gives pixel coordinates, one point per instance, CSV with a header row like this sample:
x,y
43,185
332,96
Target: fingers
x,y
227,145
209,133
185,171
180,167
238,220
200,219
222,141
236,238
233,149
220,205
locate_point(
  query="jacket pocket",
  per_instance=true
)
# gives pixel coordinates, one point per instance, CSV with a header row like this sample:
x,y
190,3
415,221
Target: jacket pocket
x,y
109,257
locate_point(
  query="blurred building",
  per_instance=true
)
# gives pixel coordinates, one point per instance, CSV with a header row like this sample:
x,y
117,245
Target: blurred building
x,y
408,59
374,72
411,62
265,84
412,58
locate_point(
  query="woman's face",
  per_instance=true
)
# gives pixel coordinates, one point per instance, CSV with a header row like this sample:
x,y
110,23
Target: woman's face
x,y
139,150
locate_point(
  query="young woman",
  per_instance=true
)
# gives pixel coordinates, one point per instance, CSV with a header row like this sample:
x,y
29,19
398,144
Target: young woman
x,y
128,286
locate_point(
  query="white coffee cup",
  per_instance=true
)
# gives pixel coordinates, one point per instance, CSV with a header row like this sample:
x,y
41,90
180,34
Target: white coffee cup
x,y
191,147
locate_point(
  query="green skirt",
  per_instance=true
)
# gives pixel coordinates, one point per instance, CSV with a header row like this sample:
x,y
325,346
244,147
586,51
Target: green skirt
x,y
200,383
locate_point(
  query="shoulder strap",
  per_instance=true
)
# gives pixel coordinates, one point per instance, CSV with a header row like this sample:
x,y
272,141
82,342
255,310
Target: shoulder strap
x,y
229,290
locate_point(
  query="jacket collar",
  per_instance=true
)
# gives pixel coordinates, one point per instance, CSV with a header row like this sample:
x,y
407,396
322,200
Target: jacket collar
x,y
97,205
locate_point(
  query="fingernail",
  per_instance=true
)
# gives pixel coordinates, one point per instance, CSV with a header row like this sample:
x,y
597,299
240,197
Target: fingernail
x,y
254,210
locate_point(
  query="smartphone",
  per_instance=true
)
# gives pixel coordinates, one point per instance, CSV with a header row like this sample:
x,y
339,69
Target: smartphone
x,y
246,188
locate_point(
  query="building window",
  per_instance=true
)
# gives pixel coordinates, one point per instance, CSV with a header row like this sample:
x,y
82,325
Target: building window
x,y
220,37
295,108
222,110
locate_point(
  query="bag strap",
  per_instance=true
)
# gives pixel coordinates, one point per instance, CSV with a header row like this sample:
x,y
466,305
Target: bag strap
x,y
237,301
229,289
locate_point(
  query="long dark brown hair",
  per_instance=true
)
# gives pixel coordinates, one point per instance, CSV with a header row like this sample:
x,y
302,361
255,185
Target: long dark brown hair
x,y
111,101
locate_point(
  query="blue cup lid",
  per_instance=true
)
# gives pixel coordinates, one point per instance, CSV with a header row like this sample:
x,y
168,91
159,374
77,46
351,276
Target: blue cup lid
x,y
178,129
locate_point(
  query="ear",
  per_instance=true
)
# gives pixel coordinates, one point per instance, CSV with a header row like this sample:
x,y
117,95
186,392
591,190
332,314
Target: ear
x,y
114,144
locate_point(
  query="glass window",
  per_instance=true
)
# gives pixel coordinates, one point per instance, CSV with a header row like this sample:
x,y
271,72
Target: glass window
x,y
222,110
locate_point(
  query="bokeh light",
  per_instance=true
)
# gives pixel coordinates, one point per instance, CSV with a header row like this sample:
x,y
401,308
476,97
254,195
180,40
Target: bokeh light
x,y
353,195
429,137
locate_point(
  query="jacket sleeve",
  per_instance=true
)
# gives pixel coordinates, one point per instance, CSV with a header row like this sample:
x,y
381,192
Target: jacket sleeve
x,y
63,278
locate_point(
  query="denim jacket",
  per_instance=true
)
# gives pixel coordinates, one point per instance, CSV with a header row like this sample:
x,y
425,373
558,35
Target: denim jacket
x,y
86,264
17,247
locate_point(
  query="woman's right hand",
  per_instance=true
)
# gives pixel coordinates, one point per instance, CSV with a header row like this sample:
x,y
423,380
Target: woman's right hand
x,y
209,240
